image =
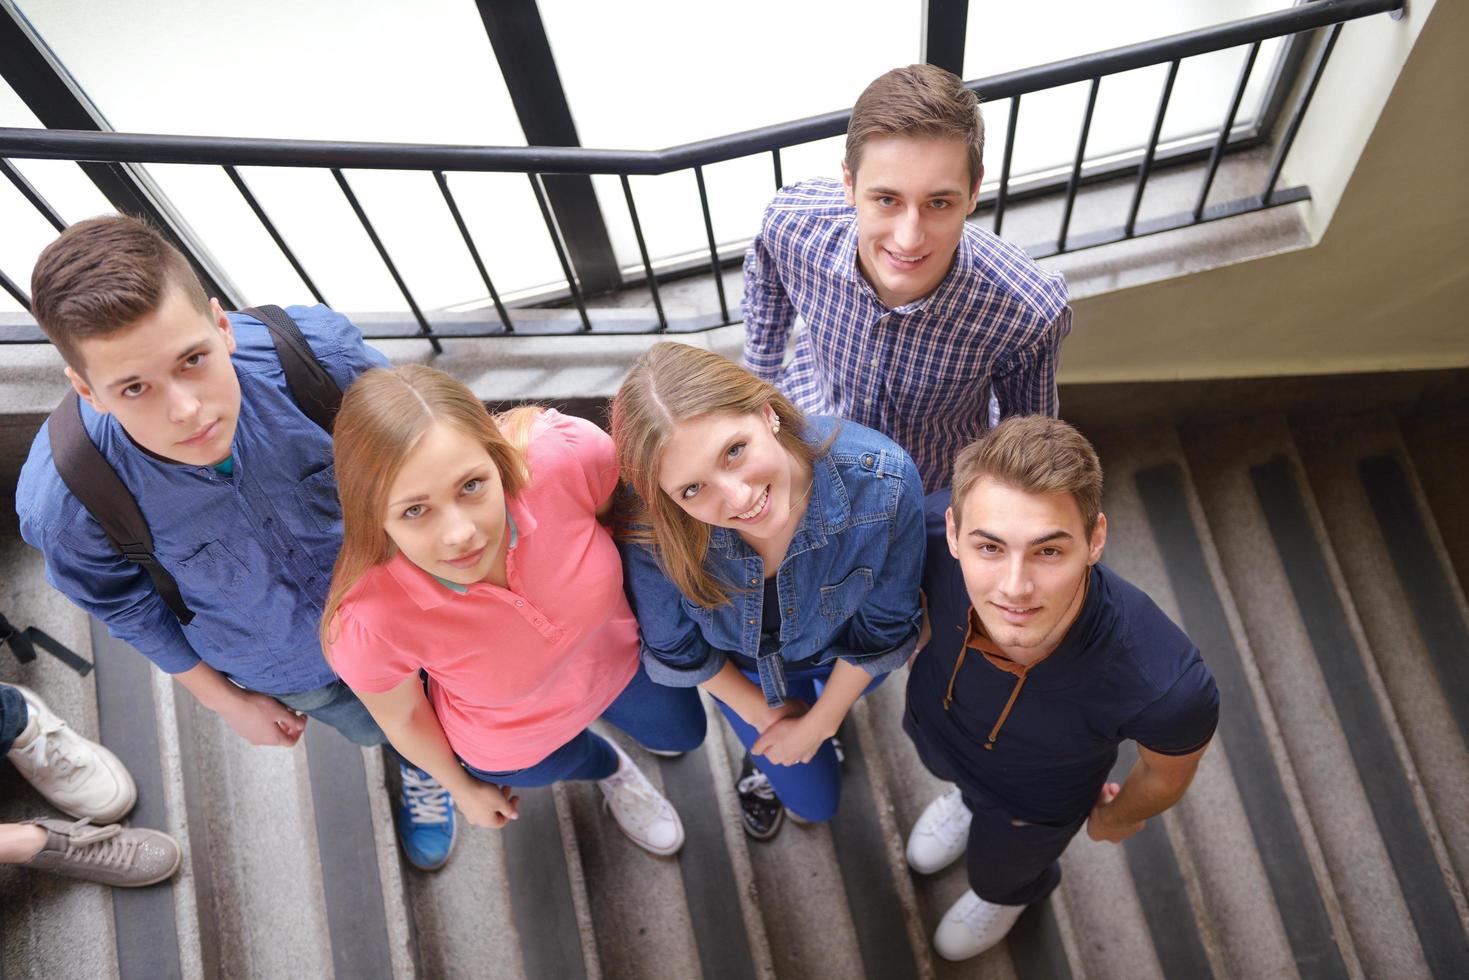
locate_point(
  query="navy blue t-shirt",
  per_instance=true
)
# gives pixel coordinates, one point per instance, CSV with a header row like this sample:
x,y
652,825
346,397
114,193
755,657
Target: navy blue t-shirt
x,y
1123,670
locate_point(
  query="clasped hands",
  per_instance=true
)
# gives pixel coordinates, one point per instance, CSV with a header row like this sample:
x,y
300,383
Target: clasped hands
x,y
791,734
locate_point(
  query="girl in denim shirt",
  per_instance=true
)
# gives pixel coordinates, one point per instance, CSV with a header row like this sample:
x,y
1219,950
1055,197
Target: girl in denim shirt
x,y
771,559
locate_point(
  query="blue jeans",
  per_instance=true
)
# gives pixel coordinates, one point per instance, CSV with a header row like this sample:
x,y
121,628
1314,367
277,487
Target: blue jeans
x,y
669,719
337,706
13,716
810,790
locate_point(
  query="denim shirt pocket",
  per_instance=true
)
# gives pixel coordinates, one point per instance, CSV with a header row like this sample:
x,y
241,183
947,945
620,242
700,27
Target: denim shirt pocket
x,y
210,569
839,602
209,580
317,496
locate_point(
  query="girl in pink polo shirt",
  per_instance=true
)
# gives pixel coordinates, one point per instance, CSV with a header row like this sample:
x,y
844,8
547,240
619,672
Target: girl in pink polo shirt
x,y
477,608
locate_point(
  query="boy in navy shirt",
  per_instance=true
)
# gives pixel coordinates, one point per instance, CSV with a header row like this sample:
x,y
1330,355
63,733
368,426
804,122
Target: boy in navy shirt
x,y
191,408
1042,660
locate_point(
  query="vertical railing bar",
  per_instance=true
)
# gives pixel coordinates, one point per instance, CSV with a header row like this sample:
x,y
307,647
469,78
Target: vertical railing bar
x,y
423,324
779,178
1086,126
1223,140
31,194
479,264
1298,115
10,287
637,230
713,250
581,307
1147,166
1004,192
274,233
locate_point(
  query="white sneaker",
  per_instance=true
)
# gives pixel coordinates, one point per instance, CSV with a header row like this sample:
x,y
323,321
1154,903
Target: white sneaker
x,y
941,833
75,774
972,926
640,810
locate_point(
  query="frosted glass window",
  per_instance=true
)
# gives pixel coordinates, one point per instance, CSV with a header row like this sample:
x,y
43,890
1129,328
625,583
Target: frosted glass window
x,y
678,72
374,70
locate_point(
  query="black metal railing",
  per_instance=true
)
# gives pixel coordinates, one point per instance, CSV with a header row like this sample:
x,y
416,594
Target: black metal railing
x,y
1302,23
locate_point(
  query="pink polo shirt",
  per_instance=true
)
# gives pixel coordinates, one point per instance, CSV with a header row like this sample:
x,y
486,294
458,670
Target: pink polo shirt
x,y
513,673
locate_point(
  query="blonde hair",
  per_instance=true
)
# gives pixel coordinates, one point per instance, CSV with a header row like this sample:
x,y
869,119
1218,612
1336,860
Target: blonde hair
x,y
1033,454
383,416
672,383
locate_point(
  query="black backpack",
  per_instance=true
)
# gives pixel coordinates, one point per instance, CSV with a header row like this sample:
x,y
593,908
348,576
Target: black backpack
x,y
94,482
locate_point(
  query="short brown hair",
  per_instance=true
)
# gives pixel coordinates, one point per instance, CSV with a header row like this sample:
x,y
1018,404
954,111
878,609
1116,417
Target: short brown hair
x,y
1033,454
101,275
919,101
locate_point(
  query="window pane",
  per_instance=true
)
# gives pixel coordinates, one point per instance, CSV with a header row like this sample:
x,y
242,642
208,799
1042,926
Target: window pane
x,y
680,72
375,70
1003,37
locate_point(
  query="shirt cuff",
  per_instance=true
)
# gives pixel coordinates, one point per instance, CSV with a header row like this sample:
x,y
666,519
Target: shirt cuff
x,y
174,657
691,676
885,663
766,367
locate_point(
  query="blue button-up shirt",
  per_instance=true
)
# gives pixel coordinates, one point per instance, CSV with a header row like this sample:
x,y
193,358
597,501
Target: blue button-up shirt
x,y
848,584
252,550
922,373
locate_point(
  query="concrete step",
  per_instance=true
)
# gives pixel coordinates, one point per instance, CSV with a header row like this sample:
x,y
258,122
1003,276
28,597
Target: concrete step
x,y
1240,832
48,926
1415,619
1438,444
1339,726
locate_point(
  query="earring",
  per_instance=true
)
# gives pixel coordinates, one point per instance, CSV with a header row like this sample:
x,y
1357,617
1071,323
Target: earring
x,y
775,425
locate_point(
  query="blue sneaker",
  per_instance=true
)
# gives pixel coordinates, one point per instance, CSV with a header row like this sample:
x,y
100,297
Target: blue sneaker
x,y
425,819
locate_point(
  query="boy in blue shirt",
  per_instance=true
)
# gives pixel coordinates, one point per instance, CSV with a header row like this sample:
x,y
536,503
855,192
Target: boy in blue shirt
x,y
191,408
1042,661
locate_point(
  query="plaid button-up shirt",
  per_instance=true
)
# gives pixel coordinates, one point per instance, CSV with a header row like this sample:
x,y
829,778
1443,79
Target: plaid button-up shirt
x,y
923,373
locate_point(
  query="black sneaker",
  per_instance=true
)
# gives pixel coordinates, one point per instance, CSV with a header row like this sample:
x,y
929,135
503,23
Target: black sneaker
x,y
760,811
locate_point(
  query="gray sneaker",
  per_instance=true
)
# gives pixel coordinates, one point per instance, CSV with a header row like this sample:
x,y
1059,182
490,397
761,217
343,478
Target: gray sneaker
x,y
124,857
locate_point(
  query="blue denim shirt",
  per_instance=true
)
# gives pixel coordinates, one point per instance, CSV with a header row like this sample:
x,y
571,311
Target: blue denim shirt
x,y
848,584
252,550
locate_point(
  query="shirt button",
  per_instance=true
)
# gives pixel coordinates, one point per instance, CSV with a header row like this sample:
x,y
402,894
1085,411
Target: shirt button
x,y
790,610
867,402
750,621
538,622
874,362
867,460
519,603
754,581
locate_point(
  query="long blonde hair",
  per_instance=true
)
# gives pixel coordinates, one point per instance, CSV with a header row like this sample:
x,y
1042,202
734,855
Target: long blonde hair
x,y
383,415
672,383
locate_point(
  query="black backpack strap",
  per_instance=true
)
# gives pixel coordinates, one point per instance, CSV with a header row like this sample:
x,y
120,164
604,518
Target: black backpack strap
x,y
314,390
94,482
23,643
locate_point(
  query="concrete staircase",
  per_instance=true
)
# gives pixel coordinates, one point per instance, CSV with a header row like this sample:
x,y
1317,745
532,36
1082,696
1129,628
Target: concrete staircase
x,y
1317,561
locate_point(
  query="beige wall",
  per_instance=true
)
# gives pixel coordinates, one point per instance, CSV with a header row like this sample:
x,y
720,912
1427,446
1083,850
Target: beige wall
x,y
1387,287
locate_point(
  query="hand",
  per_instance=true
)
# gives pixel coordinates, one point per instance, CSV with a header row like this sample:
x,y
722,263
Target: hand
x,y
487,805
262,720
1099,825
793,708
790,741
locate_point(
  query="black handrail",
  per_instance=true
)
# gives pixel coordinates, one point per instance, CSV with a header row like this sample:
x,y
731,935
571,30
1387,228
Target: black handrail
x,y
61,144
541,164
